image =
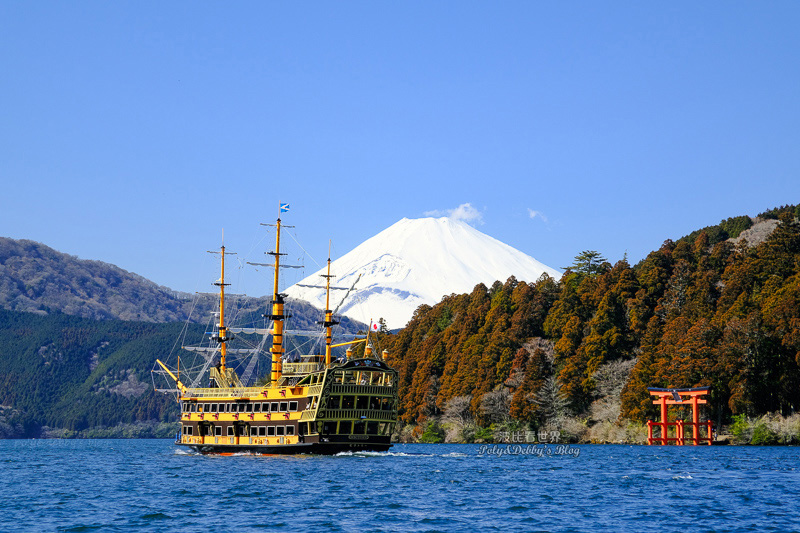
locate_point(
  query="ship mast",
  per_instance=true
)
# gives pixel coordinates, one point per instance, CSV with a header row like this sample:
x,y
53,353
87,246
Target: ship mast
x,y
329,321
222,336
277,315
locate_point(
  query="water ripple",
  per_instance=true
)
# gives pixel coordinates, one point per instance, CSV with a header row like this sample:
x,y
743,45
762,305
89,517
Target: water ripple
x,y
120,485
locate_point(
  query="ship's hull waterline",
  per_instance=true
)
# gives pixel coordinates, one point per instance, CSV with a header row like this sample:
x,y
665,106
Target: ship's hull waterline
x,y
318,448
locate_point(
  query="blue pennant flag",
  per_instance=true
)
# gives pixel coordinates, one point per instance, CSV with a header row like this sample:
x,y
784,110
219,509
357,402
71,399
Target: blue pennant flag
x,y
284,208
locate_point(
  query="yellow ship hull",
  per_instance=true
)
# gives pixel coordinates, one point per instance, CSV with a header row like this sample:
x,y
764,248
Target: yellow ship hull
x,y
352,406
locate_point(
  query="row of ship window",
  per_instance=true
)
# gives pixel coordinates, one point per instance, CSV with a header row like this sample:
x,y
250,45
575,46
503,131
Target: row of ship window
x,y
383,379
255,431
360,402
358,427
265,407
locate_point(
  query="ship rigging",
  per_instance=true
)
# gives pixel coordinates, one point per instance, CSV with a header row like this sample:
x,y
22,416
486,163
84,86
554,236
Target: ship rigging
x,y
307,403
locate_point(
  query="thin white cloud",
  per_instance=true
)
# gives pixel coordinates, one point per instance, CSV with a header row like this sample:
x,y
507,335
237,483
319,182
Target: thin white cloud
x,y
534,214
467,213
464,212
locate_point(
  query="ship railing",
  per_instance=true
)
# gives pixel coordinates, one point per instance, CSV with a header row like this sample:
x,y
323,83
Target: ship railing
x,y
308,415
301,368
362,389
220,392
238,392
358,414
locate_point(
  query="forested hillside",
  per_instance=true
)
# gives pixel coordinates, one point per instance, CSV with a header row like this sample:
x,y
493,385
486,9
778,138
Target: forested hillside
x,y
720,307
74,373
61,374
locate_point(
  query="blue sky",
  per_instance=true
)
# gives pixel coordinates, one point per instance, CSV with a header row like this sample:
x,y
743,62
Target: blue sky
x,y
133,132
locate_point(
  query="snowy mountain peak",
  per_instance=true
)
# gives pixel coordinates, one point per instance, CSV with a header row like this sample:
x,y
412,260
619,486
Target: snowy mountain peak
x,y
415,262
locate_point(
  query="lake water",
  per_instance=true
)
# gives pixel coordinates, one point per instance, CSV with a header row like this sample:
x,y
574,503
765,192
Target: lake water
x,y
150,485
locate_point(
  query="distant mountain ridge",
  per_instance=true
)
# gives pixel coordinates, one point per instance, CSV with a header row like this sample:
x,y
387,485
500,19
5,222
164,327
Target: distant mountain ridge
x,y
38,279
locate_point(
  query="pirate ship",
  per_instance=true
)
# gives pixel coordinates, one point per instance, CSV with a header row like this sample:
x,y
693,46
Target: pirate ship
x,y
310,404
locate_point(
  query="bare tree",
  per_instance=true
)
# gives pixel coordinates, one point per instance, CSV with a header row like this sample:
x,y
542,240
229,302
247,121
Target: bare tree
x,y
495,405
610,378
456,411
457,419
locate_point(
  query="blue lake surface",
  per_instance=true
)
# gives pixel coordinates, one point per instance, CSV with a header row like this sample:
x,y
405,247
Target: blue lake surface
x,y
151,485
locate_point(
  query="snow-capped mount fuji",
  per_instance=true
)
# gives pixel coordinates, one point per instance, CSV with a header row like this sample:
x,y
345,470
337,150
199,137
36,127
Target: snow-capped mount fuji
x,y
415,262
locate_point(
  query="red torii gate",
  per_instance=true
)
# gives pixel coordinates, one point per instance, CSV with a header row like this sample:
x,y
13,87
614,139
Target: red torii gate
x,y
676,397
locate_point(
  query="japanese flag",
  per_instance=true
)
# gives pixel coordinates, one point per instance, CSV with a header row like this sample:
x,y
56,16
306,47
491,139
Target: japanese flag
x,y
374,327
